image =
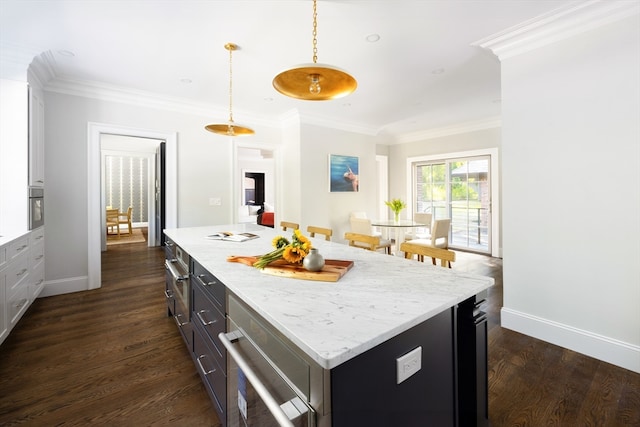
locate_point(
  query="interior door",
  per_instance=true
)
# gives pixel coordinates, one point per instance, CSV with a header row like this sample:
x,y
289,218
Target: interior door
x,y
160,194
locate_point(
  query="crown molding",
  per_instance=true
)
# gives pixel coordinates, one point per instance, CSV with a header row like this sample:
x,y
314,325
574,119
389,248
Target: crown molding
x,y
558,24
465,127
112,93
41,70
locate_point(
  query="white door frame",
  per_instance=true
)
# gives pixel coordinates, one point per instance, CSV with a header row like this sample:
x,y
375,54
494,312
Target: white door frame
x,y
495,187
94,197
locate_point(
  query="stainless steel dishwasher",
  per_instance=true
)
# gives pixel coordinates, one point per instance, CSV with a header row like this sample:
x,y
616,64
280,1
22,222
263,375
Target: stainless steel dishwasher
x,y
268,383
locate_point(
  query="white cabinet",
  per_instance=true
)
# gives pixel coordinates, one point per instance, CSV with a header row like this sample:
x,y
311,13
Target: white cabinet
x,y
4,331
17,283
36,263
36,137
21,277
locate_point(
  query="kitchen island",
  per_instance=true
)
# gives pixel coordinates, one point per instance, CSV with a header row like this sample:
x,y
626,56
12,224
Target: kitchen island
x,y
353,334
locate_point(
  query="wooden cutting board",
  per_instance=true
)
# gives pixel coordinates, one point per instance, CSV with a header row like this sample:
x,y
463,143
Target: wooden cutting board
x,y
332,271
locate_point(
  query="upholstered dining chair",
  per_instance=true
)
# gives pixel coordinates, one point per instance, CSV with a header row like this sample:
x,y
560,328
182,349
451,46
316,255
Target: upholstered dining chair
x,y
446,256
368,242
326,232
420,232
286,225
363,226
439,237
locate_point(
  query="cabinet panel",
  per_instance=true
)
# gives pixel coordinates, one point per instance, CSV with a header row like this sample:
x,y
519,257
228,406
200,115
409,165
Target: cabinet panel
x,y
4,331
36,138
17,273
209,319
364,390
36,282
212,374
18,247
17,304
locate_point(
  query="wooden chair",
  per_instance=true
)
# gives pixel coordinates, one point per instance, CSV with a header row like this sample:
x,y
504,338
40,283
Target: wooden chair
x,y
439,236
286,224
125,218
327,232
112,221
445,256
368,242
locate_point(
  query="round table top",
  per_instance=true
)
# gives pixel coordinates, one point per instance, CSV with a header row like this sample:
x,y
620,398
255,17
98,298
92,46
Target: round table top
x,y
393,223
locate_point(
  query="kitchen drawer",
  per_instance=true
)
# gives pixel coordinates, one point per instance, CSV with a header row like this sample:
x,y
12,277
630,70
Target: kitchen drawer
x,y
36,254
209,319
213,287
213,376
17,304
18,247
17,273
36,282
36,236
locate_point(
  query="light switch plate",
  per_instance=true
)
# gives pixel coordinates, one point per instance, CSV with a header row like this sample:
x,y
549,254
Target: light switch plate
x,y
215,201
408,364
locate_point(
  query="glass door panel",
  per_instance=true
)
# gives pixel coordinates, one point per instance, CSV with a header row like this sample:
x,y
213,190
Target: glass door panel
x,y
458,189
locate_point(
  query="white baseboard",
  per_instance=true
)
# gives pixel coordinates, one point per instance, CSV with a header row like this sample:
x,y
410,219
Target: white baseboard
x,y
65,286
603,348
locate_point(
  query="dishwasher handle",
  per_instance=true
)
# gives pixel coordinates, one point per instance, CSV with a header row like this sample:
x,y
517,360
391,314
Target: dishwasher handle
x,y
271,403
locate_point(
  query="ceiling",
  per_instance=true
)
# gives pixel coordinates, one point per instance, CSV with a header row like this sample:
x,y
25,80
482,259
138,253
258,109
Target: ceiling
x,y
422,73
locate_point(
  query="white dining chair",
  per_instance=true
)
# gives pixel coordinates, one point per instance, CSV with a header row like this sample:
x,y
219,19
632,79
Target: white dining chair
x,y
423,232
439,236
363,226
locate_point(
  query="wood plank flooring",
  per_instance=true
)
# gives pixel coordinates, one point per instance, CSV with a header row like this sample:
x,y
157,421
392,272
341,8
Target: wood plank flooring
x,y
111,357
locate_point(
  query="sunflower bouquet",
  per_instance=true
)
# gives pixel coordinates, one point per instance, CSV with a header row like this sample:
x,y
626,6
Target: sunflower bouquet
x,y
292,251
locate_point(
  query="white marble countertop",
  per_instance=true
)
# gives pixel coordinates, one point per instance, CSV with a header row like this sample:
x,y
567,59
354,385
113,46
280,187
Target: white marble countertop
x,y
332,322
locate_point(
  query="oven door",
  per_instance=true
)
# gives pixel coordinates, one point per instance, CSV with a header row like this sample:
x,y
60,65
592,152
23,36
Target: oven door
x,y
258,394
36,207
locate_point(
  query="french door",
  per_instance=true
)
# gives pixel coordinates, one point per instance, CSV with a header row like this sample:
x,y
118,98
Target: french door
x,y
460,189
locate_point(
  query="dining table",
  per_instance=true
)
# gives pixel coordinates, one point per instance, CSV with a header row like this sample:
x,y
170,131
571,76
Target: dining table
x,y
399,226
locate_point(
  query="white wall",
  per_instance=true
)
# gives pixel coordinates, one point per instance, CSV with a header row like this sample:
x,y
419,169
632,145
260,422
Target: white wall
x,y
204,170
571,193
320,207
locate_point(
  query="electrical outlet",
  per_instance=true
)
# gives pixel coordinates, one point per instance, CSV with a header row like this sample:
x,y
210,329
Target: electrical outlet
x,y
215,201
408,364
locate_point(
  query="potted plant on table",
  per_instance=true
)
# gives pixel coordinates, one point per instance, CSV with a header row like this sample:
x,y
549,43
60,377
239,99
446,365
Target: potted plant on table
x,y
396,205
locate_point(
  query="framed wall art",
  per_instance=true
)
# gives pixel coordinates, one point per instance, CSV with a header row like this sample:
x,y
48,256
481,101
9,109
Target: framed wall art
x,y
343,173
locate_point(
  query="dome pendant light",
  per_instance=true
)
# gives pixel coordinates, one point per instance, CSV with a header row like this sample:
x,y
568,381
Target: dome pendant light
x,y
230,128
315,82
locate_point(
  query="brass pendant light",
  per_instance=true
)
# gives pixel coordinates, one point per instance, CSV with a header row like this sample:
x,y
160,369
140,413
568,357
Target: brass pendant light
x,y
230,128
315,82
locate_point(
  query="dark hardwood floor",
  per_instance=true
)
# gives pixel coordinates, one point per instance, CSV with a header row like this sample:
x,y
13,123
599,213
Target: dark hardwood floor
x,y
111,357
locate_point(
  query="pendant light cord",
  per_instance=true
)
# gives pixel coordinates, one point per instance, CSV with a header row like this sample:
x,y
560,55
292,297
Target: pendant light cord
x,y
315,32
230,84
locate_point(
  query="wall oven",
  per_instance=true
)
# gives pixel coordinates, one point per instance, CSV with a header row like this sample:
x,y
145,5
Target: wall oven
x,y
36,207
268,384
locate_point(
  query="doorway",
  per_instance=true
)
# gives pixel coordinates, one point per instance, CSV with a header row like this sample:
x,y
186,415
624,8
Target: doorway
x,y
131,178
463,187
95,203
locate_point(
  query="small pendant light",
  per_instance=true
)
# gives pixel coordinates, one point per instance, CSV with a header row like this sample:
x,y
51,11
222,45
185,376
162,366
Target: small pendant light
x,y
230,128
315,82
